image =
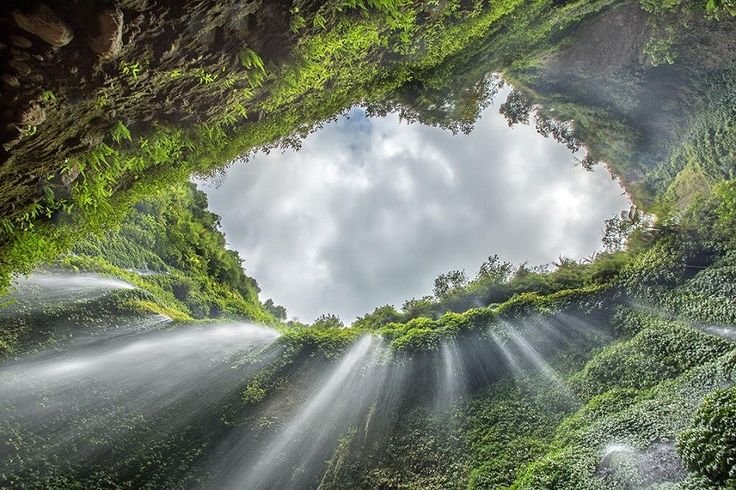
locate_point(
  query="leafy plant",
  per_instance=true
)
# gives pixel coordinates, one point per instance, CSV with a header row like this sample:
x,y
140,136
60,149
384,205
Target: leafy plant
x,y
120,132
131,69
48,96
203,76
27,131
250,59
297,22
708,446
176,73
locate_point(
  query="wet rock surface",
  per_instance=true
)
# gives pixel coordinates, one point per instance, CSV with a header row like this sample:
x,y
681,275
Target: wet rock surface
x,y
107,38
86,65
45,24
20,41
606,64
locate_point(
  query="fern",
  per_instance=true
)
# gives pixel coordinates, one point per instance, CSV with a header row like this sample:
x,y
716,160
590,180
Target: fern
x,y
120,133
48,96
250,59
131,69
204,77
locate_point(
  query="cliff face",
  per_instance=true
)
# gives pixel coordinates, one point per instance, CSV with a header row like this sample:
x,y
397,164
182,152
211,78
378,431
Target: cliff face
x,y
105,103
75,70
595,387
622,379
637,77
80,74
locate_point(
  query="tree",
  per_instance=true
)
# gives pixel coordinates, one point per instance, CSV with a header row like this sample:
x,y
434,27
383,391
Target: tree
x,y
278,311
518,108
619,228
568,273
494,270
414,307
589,161
381,316
328,320
562,131
447,99
449,283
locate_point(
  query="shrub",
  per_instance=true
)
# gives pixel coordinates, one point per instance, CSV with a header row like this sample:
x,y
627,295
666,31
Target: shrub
x,y
708,446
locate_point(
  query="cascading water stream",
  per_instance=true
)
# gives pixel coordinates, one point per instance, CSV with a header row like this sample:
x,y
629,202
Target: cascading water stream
x,y
51,287
342,400
530,354
89,394
141,381
635,468
452,384
557,334
108,391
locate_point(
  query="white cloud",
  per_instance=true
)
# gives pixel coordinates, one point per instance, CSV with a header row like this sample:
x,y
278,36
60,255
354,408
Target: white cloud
x,y
368,212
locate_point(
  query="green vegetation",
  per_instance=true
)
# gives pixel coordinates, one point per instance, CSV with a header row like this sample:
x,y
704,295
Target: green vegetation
x,y
354,53
498,282
708,445
615,372
391,56
636,376
174,241
170,248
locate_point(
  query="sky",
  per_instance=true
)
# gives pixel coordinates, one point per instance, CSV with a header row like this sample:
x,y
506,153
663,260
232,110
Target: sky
x,y
369,211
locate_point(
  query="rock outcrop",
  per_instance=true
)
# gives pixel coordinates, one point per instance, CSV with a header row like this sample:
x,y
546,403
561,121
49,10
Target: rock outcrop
x,y
45,24
107,38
